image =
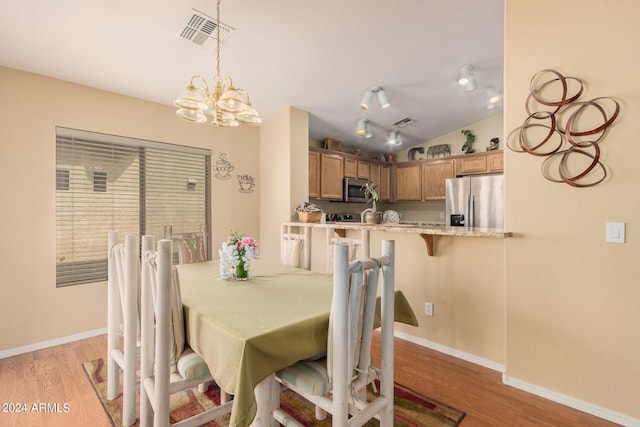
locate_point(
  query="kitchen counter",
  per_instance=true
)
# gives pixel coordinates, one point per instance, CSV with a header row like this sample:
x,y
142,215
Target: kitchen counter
x,y
424,230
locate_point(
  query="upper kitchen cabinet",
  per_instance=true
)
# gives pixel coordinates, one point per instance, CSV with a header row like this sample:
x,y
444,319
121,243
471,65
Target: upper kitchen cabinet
x,y
478,163
331,175
495,161
407,179
356,168
364,170
314,174
350,168
434,176
374,174
384,186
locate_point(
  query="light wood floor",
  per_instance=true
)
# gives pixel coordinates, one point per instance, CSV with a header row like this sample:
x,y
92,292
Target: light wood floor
x,y
55,376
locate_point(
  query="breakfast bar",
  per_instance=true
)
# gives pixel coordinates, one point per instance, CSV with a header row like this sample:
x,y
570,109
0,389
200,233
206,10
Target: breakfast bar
x,y
425,231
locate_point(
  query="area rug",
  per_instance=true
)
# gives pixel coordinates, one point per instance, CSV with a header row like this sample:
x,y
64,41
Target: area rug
x,y
411,409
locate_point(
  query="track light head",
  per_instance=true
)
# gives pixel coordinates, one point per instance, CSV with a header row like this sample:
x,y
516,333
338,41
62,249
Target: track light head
x,y
364,128
383,99
492,95
467,78
394,137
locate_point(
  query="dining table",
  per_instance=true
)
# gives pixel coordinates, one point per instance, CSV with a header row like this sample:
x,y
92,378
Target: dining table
x,y
247,330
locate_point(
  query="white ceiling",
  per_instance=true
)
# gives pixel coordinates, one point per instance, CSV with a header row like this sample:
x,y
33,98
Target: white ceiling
x,y
319,56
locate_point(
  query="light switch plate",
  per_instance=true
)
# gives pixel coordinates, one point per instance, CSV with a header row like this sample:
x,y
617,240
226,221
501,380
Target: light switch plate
x,y
615,232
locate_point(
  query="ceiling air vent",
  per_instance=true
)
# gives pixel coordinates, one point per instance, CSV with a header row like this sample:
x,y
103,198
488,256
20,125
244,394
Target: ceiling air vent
x,y
201,29
405,121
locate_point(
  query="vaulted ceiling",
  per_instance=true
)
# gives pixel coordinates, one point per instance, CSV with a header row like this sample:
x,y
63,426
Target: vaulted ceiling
x,y
319,56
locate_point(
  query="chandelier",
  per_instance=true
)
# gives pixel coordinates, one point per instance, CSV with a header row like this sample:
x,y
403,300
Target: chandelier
x,y
230,106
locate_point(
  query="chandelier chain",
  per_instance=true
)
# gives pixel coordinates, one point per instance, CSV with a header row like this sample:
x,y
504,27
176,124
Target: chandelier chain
x,y
218,39
230,106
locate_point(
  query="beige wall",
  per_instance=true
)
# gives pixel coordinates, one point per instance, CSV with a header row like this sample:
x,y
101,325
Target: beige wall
x,y
32,309
484,130
573,317
284,143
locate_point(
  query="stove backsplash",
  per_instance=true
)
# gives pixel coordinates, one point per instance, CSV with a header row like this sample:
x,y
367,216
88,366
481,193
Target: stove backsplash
x,y
428,212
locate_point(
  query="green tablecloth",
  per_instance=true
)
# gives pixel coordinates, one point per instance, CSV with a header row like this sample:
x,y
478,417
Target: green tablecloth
x,y
247,330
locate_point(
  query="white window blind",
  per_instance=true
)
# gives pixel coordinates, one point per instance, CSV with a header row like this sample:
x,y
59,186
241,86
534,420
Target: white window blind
x,y
108,182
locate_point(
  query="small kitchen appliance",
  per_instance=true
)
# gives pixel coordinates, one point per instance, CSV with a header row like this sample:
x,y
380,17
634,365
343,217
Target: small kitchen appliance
x,y
353,191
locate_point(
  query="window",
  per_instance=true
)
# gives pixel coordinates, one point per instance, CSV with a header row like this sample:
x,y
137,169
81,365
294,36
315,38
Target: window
x,y
100,182
107,182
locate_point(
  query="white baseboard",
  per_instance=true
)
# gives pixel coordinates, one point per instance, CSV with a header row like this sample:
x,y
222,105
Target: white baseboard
x,y
451,352
589,408
50,343
598,411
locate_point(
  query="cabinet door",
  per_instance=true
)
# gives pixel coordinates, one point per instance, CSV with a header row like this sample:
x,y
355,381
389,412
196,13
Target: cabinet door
x,y
363,170
374,174
331,174
408,182
314,175
384,188
472,164
434,175
350,168
495,162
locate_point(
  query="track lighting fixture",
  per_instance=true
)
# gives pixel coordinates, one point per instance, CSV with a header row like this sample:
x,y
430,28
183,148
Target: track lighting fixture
x,y
492,97
383,99
364,128
467,78
394,137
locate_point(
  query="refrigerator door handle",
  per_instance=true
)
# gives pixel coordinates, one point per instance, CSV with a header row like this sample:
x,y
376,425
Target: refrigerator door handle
x,y
471,209
467,213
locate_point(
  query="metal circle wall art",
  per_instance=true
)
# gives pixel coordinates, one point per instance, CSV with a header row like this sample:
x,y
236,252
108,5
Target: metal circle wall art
x,y
572,153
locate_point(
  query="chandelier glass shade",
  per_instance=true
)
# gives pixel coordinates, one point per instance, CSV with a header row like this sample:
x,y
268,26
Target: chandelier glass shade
x,y
230,106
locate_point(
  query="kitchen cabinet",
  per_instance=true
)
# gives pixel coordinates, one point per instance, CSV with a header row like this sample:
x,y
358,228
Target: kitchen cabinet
x,y
434,176
314,174
495,162
363,170
407,181
374,175
331,174
327,169
487,162
350,168
384,187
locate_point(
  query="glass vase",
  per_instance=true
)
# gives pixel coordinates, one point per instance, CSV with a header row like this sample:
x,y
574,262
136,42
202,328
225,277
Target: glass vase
x,y
241,272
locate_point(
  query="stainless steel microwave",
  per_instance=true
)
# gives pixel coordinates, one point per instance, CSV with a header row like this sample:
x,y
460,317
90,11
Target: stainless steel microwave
x,y
353,191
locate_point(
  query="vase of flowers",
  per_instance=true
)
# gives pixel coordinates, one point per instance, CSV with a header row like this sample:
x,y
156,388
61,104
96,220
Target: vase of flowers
x,y
236,255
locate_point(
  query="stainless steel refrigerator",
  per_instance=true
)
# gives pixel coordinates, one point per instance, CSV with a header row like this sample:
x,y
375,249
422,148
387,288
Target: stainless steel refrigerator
x,y
475,201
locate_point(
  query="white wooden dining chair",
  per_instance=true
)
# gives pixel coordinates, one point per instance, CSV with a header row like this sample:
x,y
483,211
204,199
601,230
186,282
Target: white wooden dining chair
x,y
123,268
354,249
192,247
337,384
159,293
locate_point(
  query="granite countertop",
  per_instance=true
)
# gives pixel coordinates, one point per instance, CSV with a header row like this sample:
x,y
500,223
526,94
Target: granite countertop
x,y
412,227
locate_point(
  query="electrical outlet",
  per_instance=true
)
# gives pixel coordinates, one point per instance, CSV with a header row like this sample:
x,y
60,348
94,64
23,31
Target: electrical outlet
x,y
428,309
